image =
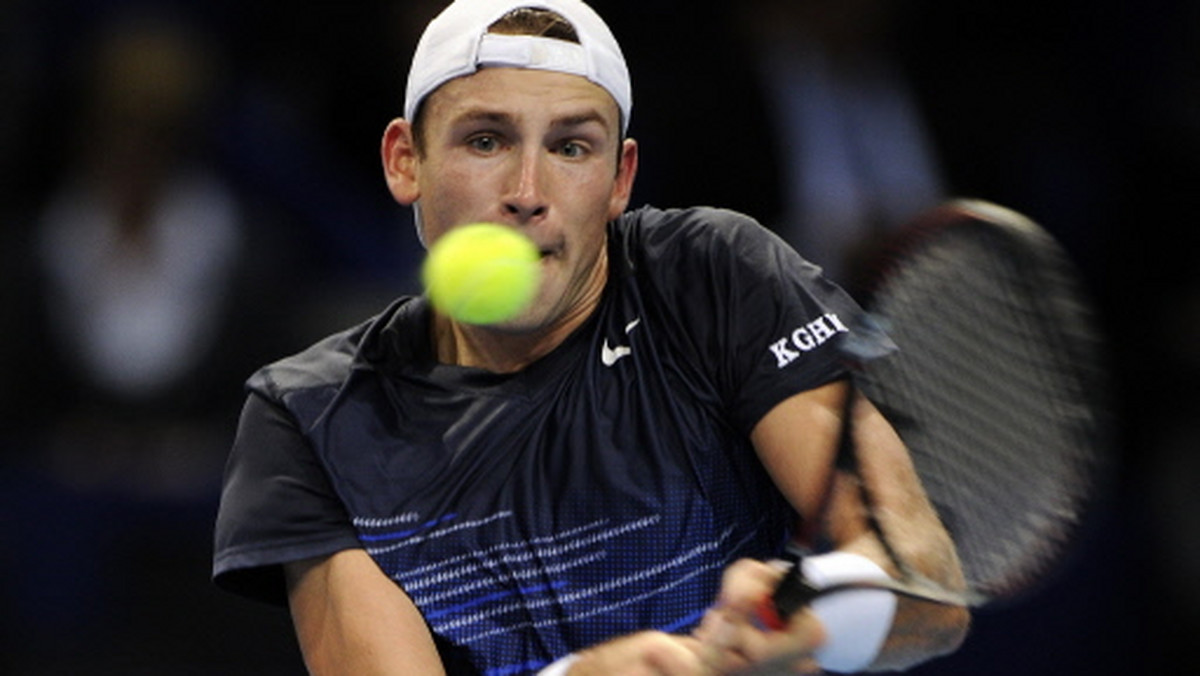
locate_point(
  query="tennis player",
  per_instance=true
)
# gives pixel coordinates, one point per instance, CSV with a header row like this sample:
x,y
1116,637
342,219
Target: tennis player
x,y
595,486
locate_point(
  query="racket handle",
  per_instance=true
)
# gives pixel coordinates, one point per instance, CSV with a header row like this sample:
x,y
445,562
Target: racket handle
x,y
793,592
768,615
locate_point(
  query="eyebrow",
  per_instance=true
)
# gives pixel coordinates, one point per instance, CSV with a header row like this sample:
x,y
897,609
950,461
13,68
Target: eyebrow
x,y
483,115
580,120
497,117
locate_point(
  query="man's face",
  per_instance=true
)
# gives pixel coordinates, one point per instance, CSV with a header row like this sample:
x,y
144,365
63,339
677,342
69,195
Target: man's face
x,y
536,150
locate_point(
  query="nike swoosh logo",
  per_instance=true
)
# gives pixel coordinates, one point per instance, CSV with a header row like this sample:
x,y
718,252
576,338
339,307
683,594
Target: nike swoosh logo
x,y
609,354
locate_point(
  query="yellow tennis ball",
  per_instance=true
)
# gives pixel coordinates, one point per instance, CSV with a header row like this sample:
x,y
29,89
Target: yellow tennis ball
x,y
482,273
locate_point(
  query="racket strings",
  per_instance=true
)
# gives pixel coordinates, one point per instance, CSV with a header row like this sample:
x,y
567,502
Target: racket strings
x,y
984,365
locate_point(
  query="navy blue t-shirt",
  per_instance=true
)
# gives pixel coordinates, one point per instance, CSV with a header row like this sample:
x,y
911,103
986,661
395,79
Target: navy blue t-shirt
x,y
598,492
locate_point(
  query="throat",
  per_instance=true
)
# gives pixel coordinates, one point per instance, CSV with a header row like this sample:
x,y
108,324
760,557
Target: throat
x,y
511,348
487,348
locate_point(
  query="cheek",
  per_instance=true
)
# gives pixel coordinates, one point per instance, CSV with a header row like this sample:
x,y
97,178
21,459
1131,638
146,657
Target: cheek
x,y
448,199
591,195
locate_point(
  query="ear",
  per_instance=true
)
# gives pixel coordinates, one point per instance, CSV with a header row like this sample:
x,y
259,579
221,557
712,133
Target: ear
x,y
399,154
627,165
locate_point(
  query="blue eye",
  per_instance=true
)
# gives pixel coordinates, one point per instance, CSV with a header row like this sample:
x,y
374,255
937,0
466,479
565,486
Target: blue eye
x,y
484,143
571,149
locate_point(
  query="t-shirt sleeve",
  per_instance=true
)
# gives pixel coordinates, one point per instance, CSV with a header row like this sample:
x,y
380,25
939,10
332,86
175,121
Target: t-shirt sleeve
x,y
277,505
784,330
765,322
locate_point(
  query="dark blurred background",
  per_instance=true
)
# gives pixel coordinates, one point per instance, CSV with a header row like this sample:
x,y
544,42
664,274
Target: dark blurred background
x,y
189,190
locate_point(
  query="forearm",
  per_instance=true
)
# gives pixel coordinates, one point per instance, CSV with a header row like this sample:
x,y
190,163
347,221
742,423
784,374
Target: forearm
x,y
921,630
891,491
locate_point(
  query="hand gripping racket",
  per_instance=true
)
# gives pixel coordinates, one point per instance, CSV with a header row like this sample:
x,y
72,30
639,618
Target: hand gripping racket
x,y
997,389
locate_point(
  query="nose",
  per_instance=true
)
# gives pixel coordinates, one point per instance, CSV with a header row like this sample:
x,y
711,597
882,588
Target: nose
x,y
526,200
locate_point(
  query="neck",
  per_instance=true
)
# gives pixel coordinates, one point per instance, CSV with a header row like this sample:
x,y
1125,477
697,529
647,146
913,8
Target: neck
x,y
507,349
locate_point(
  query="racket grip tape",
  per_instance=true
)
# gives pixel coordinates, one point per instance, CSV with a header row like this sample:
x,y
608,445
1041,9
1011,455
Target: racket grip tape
x,y
793,593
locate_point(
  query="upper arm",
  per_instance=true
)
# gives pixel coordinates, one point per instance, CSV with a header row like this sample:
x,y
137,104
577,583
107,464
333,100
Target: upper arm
x,y
351,619
797,442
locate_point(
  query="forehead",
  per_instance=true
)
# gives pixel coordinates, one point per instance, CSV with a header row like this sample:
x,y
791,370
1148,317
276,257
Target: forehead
x,y
522,93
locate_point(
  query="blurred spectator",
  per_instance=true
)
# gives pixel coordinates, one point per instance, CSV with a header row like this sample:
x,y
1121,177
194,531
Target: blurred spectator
x,y
152,292
302,131
140,247
856,156
801,116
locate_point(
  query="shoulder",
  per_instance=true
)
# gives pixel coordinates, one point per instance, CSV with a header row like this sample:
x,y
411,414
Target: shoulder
x,y
715,243
326,363
692,228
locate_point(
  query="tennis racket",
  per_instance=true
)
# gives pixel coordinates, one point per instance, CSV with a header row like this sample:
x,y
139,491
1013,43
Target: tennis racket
x,y
997,389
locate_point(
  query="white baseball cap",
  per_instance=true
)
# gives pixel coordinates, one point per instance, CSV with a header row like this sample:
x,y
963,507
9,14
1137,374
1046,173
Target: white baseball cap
x,y
457,43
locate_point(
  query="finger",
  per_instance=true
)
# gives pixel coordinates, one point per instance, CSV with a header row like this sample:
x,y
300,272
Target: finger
x,y
713,629
717,638
787,664
713,658
647,653
807,665
746,583
805,631
803,634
